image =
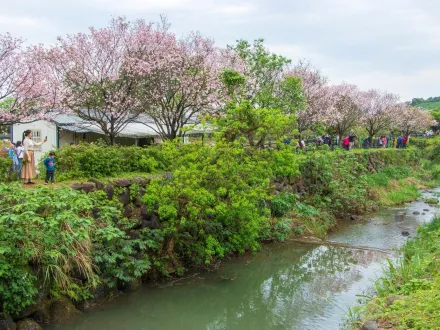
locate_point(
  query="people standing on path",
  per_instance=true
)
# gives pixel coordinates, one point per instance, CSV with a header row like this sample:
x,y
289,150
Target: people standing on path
x,y
28,172
49,162
19,151
399,142
384,142
12,156
351,139
404,141
346,143
301,144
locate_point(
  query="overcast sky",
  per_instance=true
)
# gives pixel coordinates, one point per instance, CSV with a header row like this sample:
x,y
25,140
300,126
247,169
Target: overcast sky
x,y
387,44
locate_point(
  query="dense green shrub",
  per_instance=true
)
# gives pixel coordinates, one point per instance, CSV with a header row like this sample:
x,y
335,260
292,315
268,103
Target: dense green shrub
x,y
216,201
5,169
282,204
48,238
332,182
95,160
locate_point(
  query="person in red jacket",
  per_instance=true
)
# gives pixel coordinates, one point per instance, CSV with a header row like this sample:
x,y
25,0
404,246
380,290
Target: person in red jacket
x,y
346,143
405,140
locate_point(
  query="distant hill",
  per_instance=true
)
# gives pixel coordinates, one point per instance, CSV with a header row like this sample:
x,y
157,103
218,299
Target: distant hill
x,y
431,103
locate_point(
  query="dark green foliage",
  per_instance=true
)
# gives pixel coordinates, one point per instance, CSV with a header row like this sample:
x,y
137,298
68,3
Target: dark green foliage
x,y
5,169
95,160
48,237
215,202
283,203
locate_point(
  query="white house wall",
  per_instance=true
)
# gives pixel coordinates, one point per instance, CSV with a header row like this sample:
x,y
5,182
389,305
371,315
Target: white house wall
x,y
46,128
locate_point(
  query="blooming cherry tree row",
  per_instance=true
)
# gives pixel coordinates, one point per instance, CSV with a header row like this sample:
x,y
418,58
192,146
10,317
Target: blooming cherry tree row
x,y
141,72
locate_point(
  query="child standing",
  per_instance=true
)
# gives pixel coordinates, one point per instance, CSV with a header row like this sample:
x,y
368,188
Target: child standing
x,y
19,151
49,162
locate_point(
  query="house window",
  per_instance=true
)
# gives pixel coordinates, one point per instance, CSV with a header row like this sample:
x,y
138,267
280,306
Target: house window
x,y
36,137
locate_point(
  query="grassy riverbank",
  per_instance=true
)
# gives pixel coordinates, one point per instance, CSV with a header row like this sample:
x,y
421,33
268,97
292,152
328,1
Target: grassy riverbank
x,y
216,202
408,292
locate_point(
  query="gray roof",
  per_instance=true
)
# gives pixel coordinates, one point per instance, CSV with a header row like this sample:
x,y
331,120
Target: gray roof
x,y
139,129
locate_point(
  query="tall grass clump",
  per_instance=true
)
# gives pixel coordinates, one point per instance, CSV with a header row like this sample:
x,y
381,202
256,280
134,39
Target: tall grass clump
x,y
408,291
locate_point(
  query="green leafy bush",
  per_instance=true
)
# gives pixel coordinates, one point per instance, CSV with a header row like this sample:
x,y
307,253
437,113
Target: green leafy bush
x,y
48,237
216,201
5,169
95,160
281,204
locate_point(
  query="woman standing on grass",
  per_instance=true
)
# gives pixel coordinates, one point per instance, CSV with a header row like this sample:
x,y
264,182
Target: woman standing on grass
x,y
28,172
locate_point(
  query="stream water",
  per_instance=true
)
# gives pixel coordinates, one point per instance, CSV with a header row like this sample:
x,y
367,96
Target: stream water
x,y
285,286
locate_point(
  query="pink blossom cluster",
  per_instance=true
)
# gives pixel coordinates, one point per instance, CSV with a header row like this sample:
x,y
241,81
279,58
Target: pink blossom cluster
x,y
113,75
343,107
21,89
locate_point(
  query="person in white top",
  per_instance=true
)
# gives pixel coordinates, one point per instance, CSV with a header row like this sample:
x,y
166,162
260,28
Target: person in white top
x,y
19,151
28,172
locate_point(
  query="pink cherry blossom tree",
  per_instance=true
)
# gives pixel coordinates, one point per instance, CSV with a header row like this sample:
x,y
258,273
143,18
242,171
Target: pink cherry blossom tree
x,y
315,92
411,119
342,112
93,75
378,110
180,82
21,90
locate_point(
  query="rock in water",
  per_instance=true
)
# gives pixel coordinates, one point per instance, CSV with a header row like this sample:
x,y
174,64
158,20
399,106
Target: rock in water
x,y
399,217
405,233
28,324
62,311
431,201
355,217
416,213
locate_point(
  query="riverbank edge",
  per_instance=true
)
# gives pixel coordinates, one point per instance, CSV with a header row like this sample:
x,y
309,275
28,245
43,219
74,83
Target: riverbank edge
x,y
407,294
402,183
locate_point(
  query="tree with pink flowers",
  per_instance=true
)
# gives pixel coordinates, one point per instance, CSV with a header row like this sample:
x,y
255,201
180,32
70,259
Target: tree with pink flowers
x,y
95,75
21,90
377,110
342,112
180,82
315,90
411,119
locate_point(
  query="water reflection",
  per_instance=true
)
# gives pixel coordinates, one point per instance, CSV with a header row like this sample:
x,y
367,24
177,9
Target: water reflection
x,y
284,287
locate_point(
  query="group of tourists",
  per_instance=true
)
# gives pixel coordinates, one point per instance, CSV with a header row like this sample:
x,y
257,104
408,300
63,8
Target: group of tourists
x,y
348,142
399,142
22,155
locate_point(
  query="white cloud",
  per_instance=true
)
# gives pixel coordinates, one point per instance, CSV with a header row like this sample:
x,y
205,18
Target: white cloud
x,y
7,21
140,5
422,83
233,9
392,44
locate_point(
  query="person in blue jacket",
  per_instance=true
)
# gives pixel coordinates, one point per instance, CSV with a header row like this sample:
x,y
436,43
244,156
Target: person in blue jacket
x,y
49,162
